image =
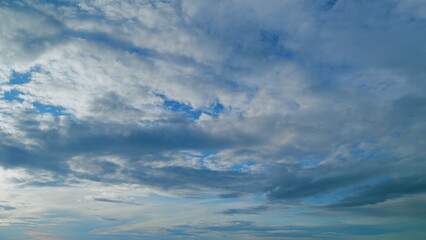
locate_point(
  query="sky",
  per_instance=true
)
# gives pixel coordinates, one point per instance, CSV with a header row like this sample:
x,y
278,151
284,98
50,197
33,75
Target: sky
x,y
212,119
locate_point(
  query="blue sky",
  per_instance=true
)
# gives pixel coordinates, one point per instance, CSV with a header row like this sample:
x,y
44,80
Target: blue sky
x,y
279,119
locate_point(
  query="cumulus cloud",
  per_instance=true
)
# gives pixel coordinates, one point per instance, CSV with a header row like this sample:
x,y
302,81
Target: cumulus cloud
x,y
285,102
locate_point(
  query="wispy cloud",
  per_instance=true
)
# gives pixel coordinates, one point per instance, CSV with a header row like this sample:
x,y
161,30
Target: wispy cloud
x,y
115,201
249,210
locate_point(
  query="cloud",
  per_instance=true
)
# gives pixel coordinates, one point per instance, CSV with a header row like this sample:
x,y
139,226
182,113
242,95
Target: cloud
x,y
26,39
249,210
295,183
276,112
238,229
7,208
386,190
286,102
107,200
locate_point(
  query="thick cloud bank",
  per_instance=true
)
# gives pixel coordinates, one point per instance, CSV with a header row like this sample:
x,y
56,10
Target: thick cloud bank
x,y
238,108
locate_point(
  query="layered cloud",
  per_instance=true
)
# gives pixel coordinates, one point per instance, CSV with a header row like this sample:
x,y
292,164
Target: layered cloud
x,y
304,104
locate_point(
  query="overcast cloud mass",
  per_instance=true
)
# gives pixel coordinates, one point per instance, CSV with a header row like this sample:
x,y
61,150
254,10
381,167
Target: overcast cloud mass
x,y
236,119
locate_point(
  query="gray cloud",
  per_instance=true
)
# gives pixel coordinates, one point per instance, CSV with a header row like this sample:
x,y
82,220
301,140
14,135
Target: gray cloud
x,y
249,210
317,97
410,206
7,208
386,190
107,200
254,230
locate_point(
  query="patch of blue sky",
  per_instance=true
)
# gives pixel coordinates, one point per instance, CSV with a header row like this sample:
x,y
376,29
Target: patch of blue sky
x,y
174,106
242,167
54,110
187,110
22,78
19,78
12,95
